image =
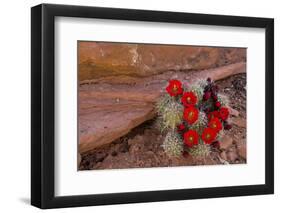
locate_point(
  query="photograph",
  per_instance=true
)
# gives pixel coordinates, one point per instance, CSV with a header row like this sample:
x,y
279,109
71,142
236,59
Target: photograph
x,y
146,105
136,105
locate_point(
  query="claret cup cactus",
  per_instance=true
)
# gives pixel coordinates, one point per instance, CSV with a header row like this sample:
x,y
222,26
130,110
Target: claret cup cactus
x,y
194,117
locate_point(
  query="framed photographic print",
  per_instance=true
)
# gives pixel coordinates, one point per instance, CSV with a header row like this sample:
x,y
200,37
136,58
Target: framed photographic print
x,y
139,106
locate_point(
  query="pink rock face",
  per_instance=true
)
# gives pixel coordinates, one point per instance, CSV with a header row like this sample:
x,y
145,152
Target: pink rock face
x,y
99,59
226,142
242,150
240,122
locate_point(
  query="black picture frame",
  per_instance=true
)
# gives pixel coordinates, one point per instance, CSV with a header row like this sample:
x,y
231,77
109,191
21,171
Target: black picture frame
x,y
43,117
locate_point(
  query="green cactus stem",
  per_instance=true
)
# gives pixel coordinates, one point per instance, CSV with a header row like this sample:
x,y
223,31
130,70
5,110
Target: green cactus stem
x,y
173,145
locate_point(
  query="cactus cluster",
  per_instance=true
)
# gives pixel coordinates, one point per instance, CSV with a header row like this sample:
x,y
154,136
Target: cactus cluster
x,y
193,117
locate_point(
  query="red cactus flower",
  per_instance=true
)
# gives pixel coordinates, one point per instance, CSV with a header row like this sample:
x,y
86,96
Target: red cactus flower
x,y
181,127
174,88
190,114
218,104
214,114
189,99
191,138
215,124
208,135
224,113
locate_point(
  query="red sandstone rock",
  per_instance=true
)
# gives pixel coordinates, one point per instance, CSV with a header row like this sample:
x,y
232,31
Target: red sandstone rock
x,y
240,122
233,112
226,142
100,59
232,156
242,149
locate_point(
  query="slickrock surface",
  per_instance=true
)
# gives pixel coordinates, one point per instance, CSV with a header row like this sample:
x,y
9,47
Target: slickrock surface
x,y
100,59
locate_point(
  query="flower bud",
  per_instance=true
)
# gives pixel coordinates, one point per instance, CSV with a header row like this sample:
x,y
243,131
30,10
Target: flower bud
x,y
218,104
206,96
227,126
215,97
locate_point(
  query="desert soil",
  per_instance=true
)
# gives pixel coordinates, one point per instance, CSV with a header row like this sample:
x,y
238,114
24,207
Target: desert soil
x,y
142,146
